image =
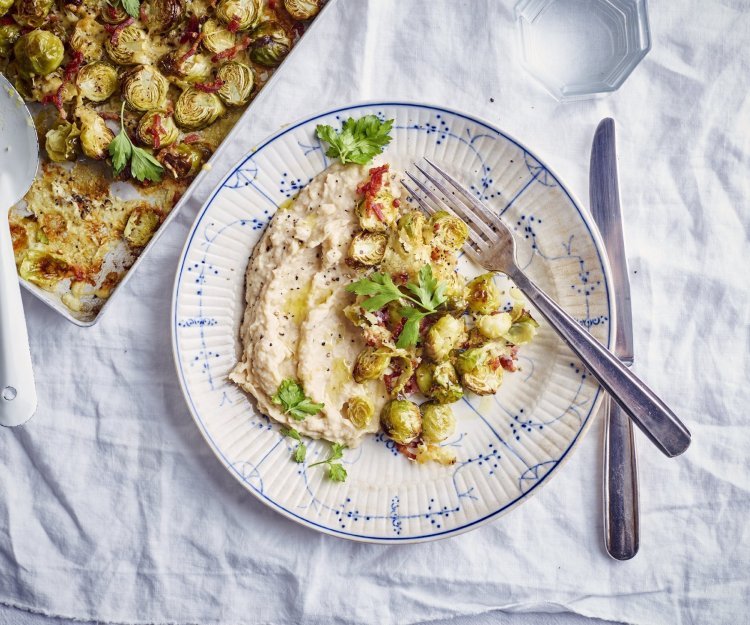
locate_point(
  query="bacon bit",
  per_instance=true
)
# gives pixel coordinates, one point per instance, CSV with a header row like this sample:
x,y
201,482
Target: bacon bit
x,y
142,14
272,5
426,324
374,182
210,87
378,210
298,28
6,21
193,49
234,24
191,138
192,30
410,450
411,386
115,31
156,128
71,69
399,327
508,363
401,278
114,117
396,203
56,99
494,363
230,53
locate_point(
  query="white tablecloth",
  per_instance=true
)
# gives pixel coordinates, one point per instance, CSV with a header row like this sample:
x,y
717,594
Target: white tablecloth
x,y
113,508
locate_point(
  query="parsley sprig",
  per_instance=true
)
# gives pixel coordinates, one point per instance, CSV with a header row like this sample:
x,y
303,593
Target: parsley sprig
x,y
300,451
426,296
143,165
336,470
358,141
293,400
132,7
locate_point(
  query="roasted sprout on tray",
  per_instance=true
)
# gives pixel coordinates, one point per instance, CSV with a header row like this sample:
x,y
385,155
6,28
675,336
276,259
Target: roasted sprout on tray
x,y
184,71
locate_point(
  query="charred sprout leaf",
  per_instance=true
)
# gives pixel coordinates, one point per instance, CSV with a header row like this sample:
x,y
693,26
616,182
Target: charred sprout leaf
x,y
292,399
132,7
61,142
336,471
358,141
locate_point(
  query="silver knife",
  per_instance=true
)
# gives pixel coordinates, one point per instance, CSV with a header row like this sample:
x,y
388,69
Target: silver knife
x,y
621,523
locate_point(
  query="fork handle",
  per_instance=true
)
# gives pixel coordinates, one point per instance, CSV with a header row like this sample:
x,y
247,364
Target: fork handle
x,y
648,412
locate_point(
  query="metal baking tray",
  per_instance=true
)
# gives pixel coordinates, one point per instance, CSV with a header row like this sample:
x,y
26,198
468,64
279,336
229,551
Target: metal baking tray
x,y
54,300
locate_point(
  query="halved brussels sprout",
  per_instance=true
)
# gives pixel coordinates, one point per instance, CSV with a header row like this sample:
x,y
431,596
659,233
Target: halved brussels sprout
x,y
43,269
238,81
186,67
141,225
95,135
483,380
240,14
5,6
367,248
411,230
184,160
401,421
61,142
523,329
480,368
438,422
32,13
9,34
436,453
446,334
377,213
371,363
196,109
447,232
423,376
483,294
455,288
216,38
270,44
89,39
402,365
144,88
164,15
445,387
157,130
129,47
112,13
97,81
360,411
302,9
38,53
494,326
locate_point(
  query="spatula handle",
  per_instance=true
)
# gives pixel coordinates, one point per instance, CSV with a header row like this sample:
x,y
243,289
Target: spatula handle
x,y
17,389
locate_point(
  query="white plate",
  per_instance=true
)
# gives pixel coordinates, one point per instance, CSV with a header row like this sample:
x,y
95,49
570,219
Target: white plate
x,y
507,445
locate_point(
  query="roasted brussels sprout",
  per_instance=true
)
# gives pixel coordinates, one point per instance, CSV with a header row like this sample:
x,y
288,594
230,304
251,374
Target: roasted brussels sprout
x,y
196,109
403,369
88,38
438,422
270,44
371,363
129,47
238,81
32,13
184,160
5,6
141,225
157,130
423,376
376,214
494,326
444,386
367,248
95,135
411,231
446,334
360,411
113,13
61,141
401,420
144,88
447,232
38,53
97,81
455,288
164,15
185,67
43,269
302,9
483,295
480,368
523,329
216,38
9,34
239,14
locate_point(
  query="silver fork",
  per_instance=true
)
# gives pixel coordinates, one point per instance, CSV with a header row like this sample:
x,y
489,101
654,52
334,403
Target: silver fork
x,y
491,244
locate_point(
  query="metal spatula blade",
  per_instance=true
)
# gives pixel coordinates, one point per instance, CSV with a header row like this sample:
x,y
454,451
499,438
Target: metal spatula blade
x,y
19,158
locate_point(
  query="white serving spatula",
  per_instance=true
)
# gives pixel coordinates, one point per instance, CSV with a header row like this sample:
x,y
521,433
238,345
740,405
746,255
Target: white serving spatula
x,y
19,158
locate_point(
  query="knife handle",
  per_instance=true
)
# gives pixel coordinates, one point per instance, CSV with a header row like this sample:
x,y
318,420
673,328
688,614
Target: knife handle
x,y
621,517
648,412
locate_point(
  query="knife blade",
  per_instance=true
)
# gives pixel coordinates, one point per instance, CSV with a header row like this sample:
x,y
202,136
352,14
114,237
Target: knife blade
x,y
621,518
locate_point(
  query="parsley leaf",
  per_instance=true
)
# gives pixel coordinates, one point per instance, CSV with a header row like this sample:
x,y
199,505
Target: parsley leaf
x,y
132,7
291,433
336,471
380,286
358,141
299,453
292,398
429,291
410,332
143,165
